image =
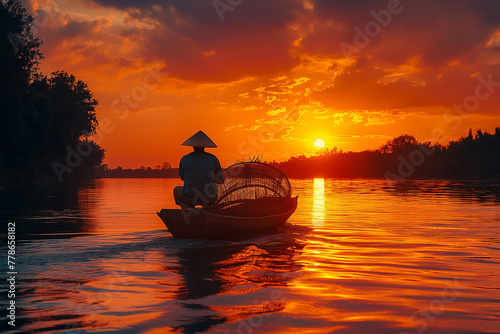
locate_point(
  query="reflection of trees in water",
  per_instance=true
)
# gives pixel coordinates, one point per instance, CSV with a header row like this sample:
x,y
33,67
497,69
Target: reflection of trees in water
x,y
233,269
481,191
48,211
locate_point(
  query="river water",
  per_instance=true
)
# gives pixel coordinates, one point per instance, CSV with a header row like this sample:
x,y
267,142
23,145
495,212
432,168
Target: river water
x,y
358,256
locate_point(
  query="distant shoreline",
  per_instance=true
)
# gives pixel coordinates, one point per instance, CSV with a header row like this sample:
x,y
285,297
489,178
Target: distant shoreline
x,y
495,180
138,173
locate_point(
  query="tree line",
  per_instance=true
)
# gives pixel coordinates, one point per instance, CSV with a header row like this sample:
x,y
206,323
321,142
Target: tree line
x,y
46,121
475,156
164,170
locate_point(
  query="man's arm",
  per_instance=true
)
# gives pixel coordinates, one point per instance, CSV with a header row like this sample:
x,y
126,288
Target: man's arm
x,y
181,170
219,175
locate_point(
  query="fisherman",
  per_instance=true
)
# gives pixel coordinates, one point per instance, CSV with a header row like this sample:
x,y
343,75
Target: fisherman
x,y
200,172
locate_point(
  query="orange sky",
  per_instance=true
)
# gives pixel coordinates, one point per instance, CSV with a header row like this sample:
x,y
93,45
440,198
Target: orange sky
x,y
268,77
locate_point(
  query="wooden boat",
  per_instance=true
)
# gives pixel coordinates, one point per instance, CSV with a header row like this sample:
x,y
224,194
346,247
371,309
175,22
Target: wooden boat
x,y
242,219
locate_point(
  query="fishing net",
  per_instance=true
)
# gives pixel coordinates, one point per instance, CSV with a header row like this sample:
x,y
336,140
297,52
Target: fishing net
x,y
253,189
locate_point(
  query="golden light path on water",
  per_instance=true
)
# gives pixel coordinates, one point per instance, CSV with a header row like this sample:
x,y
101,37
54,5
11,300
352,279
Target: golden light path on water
x,y
318,209
359,256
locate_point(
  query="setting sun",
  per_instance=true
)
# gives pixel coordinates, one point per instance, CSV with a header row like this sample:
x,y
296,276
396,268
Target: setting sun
x,y
319,143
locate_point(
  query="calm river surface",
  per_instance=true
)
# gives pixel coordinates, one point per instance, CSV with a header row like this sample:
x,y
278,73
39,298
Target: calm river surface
x,y
358,256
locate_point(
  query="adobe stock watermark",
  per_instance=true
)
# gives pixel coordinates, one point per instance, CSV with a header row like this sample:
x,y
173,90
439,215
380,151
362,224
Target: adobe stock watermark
x,y
127,102
372,29
421,318
455,115
11,274
40,20
222,7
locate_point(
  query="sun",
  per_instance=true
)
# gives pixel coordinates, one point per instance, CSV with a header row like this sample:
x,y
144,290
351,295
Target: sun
x,y
319,143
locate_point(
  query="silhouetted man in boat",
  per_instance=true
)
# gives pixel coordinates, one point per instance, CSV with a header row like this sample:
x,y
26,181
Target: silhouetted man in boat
x,y
200,172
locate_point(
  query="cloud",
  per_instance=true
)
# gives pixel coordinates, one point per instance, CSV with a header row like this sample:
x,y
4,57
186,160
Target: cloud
x,y
260,37
188,36
438,31
76,28
364,86
285,55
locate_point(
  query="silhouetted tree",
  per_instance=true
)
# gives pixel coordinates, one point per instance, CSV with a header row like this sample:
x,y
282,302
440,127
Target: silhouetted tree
x,y
473,157
19,48
166,165
73,108
40,117
398,143
19,57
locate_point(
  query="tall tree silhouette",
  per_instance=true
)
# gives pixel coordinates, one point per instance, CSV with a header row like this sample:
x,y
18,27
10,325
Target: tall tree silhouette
x,y
39,116
19,57
20,49
73,109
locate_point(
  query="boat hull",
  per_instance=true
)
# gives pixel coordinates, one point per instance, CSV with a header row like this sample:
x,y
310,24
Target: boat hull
x,y
200,224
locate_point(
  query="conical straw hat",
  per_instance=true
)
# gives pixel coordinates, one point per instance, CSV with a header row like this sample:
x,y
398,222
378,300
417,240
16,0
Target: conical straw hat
x,y
199,139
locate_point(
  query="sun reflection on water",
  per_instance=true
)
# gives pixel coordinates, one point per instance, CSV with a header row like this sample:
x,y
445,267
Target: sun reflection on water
x,y
318,209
